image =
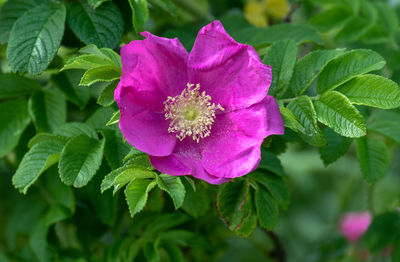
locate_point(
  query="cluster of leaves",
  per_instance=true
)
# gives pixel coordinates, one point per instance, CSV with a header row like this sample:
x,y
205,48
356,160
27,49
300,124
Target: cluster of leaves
x,y
328,97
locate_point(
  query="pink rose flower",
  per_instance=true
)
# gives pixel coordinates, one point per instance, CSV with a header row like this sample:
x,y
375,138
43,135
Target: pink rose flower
x,y
203,114
353,225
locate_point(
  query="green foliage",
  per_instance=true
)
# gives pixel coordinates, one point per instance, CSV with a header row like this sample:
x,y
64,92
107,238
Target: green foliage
x,y
140,14
336,146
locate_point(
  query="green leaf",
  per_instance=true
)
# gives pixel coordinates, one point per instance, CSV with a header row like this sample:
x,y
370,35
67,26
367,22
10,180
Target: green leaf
x,y
96,3
303,109
150,251
99,118
372,90
275,185
76,129
271,162
331,18
196,202
107,53
38,159
308,68
282,58
386,123
336,147
336,111
262,36
166,5
174,254
373,156
100,74
102,26
353,29
115,149
38,138
136,194
14,118
68,83
123,175
396,249
114,119
140,14
12,85
291,120
106,97
248,225
34,42
347,66
267,208
174,187
48,110
387,18
80,159
10,11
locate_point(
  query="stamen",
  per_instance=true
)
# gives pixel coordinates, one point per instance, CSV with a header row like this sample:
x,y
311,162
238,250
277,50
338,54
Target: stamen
x,y
191,113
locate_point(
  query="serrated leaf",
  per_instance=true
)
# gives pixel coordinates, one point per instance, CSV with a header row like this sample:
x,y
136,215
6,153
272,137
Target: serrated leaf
x,y
174,187
80,159
140,14
291,120
267,208
262,36
275,185
386,123
115,149
123,175
10,11
373,156
99,118
12,85
271,162
114,119
14,118
48,110
336,147
100,74
41,137
106,97
76,129
102,26
34,42
68,83
347,66
336,111
308,68
39,158
136,194
248,225
372,90
304,110
282,58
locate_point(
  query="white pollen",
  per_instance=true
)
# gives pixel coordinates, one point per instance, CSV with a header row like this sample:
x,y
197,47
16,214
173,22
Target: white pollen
x,y
191,113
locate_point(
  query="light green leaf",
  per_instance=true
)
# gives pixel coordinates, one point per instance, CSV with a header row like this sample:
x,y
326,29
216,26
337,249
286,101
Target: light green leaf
x,y
114,119
102,26
76,129
80,159
41,137
373,156
303,109
174,187
34,42
336,111
291,120
106,97
12,85
39,158
116,148
386,123
372,90
267,208
336,147
347,66
308,68
282,58
136,194
14,118
100,74
140,14
48,110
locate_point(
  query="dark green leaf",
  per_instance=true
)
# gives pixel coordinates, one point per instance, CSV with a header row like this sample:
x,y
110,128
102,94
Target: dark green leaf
x,y
336,147
12,85
267,208
106,97
196,202
116,148
331,18
271,162
14,118
99,118
336,111
76,129
373,156
386,123
396,249
174,254
34,42
136,194
353,29
80,159
45,137
150,251
102,26
140,14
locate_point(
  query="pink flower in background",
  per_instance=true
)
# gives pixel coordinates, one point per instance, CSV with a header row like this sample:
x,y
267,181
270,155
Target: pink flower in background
x,y
203,114
353,225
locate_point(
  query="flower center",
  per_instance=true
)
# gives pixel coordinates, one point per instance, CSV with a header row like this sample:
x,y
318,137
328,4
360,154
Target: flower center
x,y
191,113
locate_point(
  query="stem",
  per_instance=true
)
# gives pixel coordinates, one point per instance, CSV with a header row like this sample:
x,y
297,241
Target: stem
x,y
371,199
287,100
278,253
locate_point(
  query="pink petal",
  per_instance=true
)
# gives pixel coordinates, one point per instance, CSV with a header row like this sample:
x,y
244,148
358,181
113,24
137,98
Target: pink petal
x,y
144,129
233,149
353,225
231,73
153,69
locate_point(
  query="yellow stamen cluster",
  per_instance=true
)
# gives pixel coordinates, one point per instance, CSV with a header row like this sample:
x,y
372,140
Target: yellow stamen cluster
x,y
191,113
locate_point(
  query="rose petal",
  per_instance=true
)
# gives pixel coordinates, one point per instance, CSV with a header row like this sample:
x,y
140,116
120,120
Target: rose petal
x,y
231,73
233,148
153,69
